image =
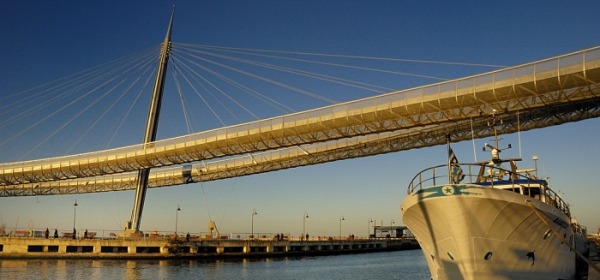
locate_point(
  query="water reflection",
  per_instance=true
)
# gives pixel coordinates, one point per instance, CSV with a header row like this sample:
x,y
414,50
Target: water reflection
x,y
386,265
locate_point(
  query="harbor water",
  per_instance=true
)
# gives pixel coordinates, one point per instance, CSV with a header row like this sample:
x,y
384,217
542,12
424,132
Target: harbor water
x,y
383,265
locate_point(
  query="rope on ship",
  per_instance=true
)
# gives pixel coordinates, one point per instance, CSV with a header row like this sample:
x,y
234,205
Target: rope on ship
x,y
537,213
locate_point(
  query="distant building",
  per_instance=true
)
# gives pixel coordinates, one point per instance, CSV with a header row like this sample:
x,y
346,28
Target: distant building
x,y
391,232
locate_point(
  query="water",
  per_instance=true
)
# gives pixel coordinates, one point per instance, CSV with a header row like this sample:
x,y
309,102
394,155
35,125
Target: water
x,y
386,265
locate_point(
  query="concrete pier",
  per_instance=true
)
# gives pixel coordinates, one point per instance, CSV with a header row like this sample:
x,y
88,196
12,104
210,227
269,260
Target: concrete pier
x,y
177,248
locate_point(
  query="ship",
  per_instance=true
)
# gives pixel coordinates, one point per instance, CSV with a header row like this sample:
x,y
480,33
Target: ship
x,y
491,220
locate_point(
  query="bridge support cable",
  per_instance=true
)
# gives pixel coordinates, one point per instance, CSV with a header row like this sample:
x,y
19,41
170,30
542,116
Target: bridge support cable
x,y
219,90
256,76
46,103
187,52
262,97
188,124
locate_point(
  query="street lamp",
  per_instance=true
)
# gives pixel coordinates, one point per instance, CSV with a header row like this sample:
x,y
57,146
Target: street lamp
x,y
304,217
391,227
253,214
341,219
369,228
177,218
74,215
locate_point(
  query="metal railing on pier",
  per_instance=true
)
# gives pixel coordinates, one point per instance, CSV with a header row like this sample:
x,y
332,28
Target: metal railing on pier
x,y
104,234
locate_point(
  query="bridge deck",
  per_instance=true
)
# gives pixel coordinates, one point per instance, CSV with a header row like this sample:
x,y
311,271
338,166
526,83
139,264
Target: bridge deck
x,y
565,85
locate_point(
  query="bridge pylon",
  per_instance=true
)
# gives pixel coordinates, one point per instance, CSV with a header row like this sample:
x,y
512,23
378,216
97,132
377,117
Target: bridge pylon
x,y
133,226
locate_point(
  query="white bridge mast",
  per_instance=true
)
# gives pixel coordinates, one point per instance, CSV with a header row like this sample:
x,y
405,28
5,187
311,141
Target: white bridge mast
x,y
133,226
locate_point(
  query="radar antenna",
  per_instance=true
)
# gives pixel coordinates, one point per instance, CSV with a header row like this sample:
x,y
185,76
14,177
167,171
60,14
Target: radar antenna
x,y
495,149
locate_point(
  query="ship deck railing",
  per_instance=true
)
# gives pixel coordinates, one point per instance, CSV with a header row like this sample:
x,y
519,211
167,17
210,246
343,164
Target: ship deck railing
x,y
494,177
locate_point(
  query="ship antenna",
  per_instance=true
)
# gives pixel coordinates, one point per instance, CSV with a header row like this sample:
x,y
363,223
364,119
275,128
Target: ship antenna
x,y
495,150
494,122
449,158
473,140
519,132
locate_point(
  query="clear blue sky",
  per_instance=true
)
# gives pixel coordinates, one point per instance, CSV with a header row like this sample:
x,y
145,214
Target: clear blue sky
x,y
44,40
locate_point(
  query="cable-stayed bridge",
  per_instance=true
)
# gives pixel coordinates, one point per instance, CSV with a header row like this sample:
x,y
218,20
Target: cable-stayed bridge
x,y
534,95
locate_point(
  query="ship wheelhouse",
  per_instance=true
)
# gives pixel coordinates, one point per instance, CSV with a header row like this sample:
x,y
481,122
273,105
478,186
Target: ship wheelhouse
x,y
491,174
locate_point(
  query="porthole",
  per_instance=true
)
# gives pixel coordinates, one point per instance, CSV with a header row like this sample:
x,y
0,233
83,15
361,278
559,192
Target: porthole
x,y
488,256
451,256
547,234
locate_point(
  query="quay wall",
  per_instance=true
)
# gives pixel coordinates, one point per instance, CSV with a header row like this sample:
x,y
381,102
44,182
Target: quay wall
x,y
177,248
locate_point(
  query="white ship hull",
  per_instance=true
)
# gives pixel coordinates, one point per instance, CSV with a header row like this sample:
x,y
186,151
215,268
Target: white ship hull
x,y
478,232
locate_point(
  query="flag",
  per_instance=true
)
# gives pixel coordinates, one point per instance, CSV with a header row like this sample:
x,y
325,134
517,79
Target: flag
x,y
455,171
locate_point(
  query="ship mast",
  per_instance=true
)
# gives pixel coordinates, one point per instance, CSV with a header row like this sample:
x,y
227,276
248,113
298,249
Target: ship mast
x,y
133,226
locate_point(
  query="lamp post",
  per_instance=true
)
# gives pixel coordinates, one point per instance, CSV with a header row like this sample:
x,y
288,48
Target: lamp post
x,y
304,217
177,218
391,227
375,228
369,228
253,214
74,214
341,219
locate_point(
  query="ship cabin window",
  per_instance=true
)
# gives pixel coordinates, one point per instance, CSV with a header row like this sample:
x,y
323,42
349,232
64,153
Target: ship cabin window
x,y
512,188
534,192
